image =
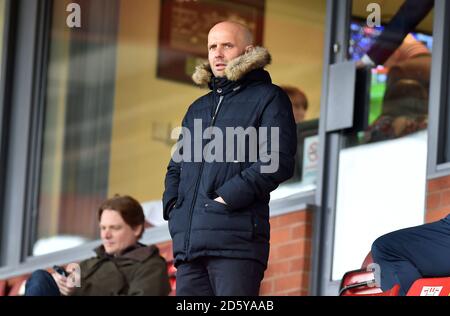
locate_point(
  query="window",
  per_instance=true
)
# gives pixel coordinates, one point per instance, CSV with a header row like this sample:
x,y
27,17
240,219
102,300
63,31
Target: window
x,y
444,98
108,115
77,125
297,67
381,181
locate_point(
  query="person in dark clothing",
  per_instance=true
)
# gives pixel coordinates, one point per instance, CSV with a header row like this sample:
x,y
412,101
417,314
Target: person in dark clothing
x,y
218,209
412,253
123,266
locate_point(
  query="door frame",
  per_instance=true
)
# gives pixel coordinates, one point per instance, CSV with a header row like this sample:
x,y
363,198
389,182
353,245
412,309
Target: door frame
x,y
336,46
331,142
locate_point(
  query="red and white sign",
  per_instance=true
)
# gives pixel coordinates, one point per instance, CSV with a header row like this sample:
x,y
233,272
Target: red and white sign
x,y
431,291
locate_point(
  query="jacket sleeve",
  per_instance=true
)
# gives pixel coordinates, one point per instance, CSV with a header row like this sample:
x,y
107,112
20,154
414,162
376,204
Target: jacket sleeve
x,y
172,181
151,279
171,187
255,182
404,21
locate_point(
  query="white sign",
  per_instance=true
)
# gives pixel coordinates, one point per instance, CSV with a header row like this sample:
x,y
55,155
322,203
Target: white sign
x,y
431,291
310,159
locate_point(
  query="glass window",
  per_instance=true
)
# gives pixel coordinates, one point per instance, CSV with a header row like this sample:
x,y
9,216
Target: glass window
x,y
382,165
443,155
297,68
399,84
79,107
119,85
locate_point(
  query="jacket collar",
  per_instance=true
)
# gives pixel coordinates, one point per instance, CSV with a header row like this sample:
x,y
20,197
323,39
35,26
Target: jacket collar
x,y
236,69
138,252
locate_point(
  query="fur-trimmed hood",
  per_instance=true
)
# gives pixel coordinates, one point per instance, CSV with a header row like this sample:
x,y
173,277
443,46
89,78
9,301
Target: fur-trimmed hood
x,y
258,57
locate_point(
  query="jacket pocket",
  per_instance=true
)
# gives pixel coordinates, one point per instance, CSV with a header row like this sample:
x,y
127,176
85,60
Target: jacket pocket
x,y
220,217
212,206
176,218
177,205
260,227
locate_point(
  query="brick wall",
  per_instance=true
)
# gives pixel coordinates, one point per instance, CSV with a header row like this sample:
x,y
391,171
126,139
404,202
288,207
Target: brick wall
x,y
438,199
290,255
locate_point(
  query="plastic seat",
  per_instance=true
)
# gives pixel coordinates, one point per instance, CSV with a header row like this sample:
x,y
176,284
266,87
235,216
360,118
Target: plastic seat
x,y
362,281
172,271
392,292
430,287
12,287
2,287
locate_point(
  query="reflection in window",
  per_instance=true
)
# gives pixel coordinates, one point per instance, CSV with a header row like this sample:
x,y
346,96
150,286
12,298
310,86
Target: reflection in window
x,y
306,158
382,162
398,89
297,68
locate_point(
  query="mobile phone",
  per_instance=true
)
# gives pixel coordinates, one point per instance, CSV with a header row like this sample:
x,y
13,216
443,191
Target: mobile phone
x,y
60,270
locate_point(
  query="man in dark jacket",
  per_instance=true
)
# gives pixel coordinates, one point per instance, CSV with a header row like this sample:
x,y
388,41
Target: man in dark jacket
x,y
122,265
218,209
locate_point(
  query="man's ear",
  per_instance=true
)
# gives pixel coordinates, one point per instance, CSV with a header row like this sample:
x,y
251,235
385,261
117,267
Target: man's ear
x,y
249,48
138,230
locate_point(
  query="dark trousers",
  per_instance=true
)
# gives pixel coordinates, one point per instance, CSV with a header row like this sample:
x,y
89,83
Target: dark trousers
x,y
215,276
412,253
41,283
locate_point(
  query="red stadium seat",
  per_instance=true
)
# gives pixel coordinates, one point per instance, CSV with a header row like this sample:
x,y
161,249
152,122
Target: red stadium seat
x,y
392,292
430,287
2,288
11,287
362,281
172,271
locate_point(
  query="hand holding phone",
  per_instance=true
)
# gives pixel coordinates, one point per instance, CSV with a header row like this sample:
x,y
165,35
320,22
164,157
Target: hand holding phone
x,y
60,270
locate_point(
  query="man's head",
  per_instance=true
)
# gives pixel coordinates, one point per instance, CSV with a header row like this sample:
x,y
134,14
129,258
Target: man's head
x,y
121,220
226,41
299,102
410,48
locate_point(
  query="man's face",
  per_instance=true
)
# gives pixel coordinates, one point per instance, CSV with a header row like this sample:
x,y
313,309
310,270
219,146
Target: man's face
x,y
115,233
225,42
298,108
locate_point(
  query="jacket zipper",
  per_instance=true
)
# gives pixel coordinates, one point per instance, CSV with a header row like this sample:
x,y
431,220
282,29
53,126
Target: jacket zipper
x,y
197,183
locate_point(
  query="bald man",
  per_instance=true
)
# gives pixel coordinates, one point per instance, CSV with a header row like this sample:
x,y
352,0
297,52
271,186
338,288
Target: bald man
x,y
217,204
